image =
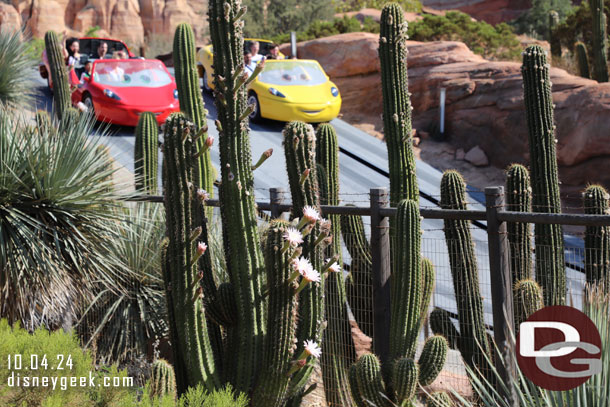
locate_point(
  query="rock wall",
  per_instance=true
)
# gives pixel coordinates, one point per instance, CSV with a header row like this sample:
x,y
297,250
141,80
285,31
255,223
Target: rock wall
x,y
129,20
484,101
492,11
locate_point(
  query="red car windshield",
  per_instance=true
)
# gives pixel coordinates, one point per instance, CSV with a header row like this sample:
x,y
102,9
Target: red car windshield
x,y
130,73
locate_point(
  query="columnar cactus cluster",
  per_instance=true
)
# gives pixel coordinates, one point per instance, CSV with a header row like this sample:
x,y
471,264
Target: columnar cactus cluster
x,y
553,40
191,100
162,379
519,199
58,74
582,59
600,41
145,153
597,238
550,263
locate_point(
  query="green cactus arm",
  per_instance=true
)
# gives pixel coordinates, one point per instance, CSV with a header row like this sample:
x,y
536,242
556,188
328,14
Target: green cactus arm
x,y
146,153
553,39
397,104
406,287
221,308
279,350
597,238
550,262
162,379
519,199
59,74
405,376
464,270
428,281
582,59
190,98
600,41
432,359
238,211
369,382
440,323
192,349
527,299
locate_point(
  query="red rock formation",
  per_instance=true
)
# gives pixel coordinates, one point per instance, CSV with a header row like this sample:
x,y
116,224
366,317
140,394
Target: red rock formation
x,y
492,11
484,101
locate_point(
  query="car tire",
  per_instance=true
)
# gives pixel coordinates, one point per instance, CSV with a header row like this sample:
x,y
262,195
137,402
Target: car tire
x,y
256,113
206,87
88,101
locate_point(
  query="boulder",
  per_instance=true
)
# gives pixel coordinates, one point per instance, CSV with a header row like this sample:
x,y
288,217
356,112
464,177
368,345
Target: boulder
x,y
484,104
476,157
10,19
492,11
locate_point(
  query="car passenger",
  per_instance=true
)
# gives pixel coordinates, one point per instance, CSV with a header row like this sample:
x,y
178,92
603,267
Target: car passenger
x,y
87,72
254,47
72,47
102,50
274,52
249,64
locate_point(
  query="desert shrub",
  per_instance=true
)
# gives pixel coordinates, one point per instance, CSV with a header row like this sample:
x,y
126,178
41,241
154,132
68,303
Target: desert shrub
x,y
53,348
321,29
342,6
199,397
17,78
494,42
92,31
535,21
577,27
34,47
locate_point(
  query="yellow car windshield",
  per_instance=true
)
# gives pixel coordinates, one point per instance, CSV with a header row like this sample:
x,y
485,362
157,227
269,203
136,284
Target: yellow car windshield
x,y
292,73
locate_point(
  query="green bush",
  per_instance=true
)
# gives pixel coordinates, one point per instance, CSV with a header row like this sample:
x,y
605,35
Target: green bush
x,y
342,6
17,78
198,397
535,21
577,27
493,42
57,349
321,29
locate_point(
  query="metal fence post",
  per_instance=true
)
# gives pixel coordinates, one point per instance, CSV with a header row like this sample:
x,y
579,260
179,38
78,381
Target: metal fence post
x,y
501,287
276,197
380,257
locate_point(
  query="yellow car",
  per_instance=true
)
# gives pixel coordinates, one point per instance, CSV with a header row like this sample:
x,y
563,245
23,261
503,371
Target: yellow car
x,y
294,89
205,58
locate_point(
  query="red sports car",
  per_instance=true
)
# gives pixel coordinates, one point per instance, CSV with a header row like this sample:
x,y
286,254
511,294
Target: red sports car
x,y
119,90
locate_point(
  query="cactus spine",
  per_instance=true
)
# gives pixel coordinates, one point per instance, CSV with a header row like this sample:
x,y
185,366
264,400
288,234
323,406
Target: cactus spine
x,y
519,199
397,104
553,40
550,263
281,322
474,344
145,153
193,356
59,74
527,299
600,41
582,58
191,101
162,379
238,211
597,238
338,351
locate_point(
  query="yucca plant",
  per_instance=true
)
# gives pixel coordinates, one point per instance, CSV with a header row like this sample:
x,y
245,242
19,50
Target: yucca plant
x,y
122,324
593,393
57,215
17,78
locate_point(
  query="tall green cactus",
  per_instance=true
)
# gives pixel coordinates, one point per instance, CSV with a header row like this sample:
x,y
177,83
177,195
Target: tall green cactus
x,y
190,98
59,74
519,199
193,359
474,344
600,41
582,59
338,350
279,350
527,299
359,285
597,238
397,104
145,153
553,39
162,379
238,211
550,262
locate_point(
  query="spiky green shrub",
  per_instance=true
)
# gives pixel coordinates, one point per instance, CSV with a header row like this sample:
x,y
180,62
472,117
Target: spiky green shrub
x,y
597,238
121,325
146,153
600,41
59,73
582,59
56,218
191,100
225,397
550,262
17,78
439,399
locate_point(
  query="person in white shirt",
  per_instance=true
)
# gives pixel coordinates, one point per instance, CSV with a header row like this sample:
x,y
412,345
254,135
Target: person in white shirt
x,y
249,64
254,47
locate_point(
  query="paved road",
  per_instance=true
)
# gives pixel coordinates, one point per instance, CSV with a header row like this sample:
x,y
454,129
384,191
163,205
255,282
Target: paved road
x,y
355,181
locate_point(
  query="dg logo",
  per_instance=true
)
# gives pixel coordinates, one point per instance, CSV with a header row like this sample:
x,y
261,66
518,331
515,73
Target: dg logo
x,y
559,348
